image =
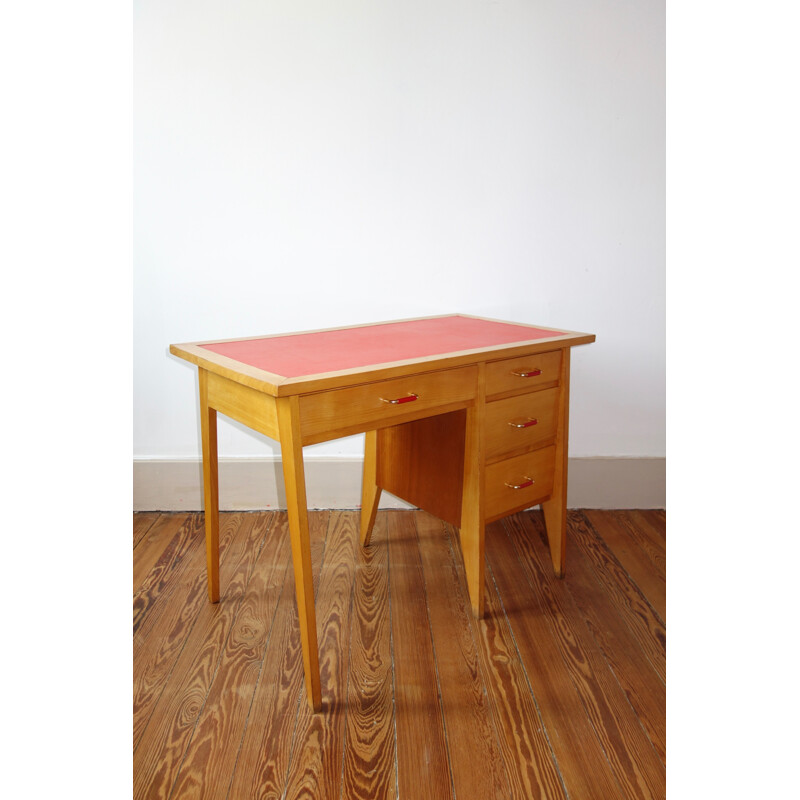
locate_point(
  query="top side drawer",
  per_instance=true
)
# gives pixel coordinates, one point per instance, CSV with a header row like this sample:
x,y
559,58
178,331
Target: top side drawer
x,y
523,373
325,415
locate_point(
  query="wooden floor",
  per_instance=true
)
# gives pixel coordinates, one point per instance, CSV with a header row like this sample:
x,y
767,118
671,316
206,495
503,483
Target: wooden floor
x,y
557,693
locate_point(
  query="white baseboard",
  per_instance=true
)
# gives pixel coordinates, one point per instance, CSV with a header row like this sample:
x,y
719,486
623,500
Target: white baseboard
x,y
250,484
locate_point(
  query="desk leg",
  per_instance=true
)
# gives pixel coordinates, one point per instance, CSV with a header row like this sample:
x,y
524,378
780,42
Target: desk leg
x,y
370,491
555,509
555,523
294,477
208,433
472,516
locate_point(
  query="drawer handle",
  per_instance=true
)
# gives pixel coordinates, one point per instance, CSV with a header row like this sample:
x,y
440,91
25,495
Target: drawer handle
x,y
409,398
530,421
524,485
531,373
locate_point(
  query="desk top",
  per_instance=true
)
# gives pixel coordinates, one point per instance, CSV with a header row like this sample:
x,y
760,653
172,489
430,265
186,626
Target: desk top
x,y
309,361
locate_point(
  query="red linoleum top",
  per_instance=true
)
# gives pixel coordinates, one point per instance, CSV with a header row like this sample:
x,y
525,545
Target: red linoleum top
x,y
302,354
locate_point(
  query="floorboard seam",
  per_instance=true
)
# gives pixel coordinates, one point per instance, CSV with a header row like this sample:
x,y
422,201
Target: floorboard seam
x,y
435,660
216,670
279,592
528,680
302,689
618,563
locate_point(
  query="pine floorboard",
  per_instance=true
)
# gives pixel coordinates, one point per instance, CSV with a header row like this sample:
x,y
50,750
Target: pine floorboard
x,y
559,692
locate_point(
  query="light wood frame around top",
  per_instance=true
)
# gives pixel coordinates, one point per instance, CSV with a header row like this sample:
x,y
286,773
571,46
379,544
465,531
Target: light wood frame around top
x,y
281,386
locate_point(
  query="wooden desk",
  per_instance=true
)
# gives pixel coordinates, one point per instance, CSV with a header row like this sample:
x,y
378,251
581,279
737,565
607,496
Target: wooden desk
x,y
464,417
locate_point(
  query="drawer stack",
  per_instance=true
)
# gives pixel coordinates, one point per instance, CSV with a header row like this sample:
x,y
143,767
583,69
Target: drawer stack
x,y
522,402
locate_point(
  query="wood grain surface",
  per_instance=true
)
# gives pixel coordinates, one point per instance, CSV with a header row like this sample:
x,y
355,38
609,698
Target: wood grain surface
x,y
263,759
158,641
558,692
422,755
635,763
142,522
369,771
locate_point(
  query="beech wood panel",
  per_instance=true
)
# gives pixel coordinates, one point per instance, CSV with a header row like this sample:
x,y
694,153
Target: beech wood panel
x,y
553,694
255,409
422,462
521,422
503,376
328,415
503,475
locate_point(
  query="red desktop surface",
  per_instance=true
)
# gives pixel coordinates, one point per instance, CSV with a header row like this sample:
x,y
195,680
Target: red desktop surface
x,y
302,354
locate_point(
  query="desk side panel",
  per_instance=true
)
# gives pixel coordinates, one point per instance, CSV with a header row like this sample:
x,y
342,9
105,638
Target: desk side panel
x,y
422,462
244,404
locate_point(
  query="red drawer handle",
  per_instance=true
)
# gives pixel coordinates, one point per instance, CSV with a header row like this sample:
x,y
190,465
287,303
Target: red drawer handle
x,y
531,373
527,482
409,398
527,424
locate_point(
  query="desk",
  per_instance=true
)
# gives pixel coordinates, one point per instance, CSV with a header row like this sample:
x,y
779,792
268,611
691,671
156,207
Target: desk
x,y
465,417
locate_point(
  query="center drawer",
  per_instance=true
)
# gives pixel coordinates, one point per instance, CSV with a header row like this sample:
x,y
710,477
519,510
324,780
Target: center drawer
x,y
520,422
326,415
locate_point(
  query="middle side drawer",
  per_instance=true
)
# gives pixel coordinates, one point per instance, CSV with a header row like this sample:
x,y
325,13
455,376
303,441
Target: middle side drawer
x,y
520,423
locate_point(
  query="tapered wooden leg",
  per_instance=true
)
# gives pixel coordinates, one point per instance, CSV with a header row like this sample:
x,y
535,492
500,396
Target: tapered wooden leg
x,y
208,434
370,491
472,502
294,477
555,522
555,509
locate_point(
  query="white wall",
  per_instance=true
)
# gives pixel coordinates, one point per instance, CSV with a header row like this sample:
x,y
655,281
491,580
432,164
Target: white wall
x,y
301,165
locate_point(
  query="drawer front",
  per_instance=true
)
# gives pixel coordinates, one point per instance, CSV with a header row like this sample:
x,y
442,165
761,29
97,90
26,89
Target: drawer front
x,y
520,422
532,473
523,373
375,405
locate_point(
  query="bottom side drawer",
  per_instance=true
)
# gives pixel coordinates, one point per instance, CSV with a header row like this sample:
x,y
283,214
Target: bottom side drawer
x,y
519,482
